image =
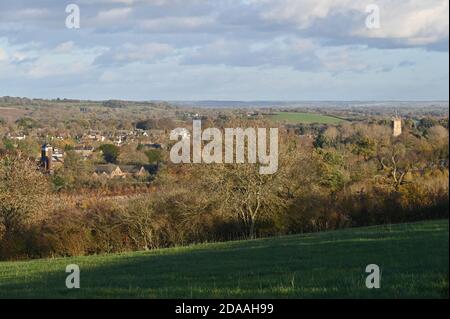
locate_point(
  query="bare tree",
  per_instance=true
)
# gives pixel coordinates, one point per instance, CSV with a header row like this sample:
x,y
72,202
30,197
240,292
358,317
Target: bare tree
x,y
399,158
250,196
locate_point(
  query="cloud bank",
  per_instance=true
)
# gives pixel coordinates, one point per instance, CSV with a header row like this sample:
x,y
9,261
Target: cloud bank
x,y
225,49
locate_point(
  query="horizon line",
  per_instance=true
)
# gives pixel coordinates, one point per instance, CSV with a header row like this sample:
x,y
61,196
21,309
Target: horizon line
x,y
225,100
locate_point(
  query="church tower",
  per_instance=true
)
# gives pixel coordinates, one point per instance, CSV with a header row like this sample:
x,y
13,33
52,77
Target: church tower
x,y
396,126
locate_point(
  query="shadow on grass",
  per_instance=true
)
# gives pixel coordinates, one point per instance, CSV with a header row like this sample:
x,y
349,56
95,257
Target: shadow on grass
x,y
413,259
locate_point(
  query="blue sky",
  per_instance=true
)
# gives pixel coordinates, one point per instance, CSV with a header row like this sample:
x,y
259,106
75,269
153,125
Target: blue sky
x,y
225,50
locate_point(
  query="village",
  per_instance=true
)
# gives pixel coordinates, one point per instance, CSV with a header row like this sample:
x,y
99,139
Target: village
x,y
88,146
132,153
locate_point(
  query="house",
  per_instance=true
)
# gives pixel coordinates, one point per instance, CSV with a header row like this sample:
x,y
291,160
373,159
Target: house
x,y
133,170
156,146
119,171
17,137
120,140
108,170
84,150
94,136
58,155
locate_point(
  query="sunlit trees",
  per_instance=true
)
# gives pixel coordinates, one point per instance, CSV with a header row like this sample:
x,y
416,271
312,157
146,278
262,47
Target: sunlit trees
x,y
23,194
438,138
399,158
75,173
247,195
130,155
355,174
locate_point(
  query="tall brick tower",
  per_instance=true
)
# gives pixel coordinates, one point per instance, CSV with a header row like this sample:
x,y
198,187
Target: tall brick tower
x,y
46,157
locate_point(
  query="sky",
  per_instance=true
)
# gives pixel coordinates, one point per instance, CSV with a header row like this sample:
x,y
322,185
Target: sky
x,y
226,49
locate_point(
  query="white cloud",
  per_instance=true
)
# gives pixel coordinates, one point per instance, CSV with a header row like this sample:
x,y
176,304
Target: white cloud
x,y
109,76
3,55
65,47
30,13
114,14
175,23
416,23
18,57
292,38
144,51
129,53
408,22
44,68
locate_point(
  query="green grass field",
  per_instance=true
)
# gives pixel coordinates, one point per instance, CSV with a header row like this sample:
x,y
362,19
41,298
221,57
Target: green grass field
x,y
306,118
413,259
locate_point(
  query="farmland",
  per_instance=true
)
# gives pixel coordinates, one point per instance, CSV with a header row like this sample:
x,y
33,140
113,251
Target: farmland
x,y
305,118
413,259
10,114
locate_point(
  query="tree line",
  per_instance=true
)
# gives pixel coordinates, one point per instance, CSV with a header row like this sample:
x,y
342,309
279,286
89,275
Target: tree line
x,y
353,174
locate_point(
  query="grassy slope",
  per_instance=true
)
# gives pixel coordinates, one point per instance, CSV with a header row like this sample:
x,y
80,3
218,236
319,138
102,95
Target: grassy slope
x,y
307,118
413,258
